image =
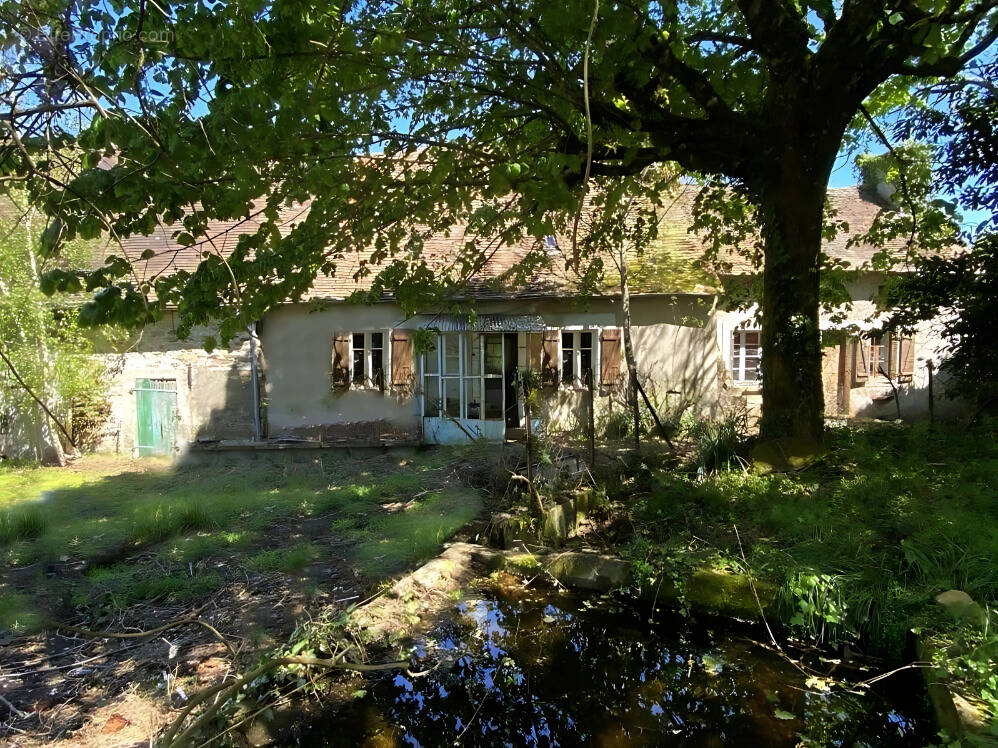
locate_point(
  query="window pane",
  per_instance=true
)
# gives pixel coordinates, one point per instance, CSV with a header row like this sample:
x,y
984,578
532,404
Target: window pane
x,y
358,365
567,339
751,339
358,340
431,397
452,397
751,369
473,354
568,365
883,353
493,354
430,363
452,354
377,367
587,364
376,340
473,396
493,398
585,340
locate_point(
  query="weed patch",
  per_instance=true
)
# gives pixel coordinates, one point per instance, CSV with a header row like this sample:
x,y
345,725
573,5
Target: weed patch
x,y
392,542
18,614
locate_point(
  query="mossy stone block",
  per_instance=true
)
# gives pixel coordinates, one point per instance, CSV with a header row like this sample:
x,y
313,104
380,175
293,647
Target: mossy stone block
x,y
728,594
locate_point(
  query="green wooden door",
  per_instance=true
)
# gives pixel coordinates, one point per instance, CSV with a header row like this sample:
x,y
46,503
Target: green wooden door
x,y
156,403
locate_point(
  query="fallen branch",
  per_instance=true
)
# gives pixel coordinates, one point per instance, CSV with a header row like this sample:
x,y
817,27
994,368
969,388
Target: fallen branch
x,y
151,632
533,491
225,691
13,709
654,415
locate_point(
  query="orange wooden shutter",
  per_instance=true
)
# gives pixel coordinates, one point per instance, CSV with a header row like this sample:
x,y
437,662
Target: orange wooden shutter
x,y
401,358
609,367
549,358
341,361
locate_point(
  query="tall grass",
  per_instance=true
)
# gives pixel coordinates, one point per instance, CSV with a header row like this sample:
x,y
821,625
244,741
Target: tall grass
x,y
22,524
717,443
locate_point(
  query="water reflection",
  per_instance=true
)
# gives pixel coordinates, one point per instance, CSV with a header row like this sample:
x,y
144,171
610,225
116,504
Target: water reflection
x,y
540,667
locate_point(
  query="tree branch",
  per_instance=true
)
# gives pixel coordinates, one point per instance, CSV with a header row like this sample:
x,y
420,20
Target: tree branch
x,y
33,396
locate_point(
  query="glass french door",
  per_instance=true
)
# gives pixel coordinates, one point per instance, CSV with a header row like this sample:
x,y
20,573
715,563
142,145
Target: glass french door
x,y
463,392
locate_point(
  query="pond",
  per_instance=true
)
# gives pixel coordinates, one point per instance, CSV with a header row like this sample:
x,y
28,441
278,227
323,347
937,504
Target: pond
x,y
541,667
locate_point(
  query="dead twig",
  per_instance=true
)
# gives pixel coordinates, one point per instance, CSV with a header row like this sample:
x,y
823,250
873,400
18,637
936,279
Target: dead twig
x,y
13,709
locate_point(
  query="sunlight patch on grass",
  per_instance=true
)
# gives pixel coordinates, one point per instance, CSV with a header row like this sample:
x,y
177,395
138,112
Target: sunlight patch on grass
x,y
18,615
395,541
151,531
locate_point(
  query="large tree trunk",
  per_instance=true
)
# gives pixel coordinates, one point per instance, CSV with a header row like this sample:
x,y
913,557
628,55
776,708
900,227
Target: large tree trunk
x,y
792,206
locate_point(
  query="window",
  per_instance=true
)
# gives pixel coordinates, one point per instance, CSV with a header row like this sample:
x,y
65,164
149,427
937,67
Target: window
x,y
368,359
886,355
576,357
745,355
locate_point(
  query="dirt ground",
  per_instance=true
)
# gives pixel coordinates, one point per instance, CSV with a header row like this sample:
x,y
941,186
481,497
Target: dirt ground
x,y
60,686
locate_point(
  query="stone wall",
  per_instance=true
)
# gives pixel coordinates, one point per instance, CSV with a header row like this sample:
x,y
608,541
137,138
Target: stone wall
x,y
214,396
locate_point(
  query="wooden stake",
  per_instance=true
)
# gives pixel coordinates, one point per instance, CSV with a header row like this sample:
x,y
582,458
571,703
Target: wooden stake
x,y
592,421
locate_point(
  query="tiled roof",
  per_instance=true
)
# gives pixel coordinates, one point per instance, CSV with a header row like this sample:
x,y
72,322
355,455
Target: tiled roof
x,y
671,265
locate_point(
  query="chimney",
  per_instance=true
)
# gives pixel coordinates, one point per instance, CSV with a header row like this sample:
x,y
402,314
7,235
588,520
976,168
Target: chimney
x,y
873,169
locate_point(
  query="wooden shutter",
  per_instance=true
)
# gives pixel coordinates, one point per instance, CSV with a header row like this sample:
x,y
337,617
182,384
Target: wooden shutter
x,y
861,364
609,357
906,358
549,358
535,351
401,358
341,361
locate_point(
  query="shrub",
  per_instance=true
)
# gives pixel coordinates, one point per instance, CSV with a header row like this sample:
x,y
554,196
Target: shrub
x,y
718,444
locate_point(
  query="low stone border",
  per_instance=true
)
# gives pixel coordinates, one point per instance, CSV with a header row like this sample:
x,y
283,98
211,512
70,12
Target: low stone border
x,y
720,593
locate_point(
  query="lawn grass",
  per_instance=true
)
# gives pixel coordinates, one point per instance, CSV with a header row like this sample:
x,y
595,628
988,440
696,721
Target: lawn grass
x,y
860,543
150,530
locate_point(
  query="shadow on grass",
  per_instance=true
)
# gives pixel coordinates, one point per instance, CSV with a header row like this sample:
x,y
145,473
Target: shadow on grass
x,y
74,542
